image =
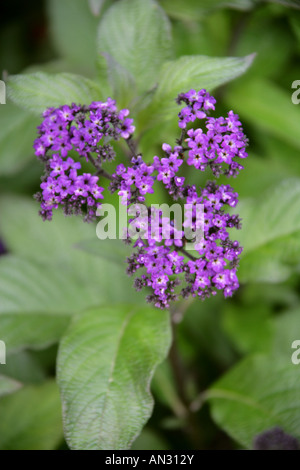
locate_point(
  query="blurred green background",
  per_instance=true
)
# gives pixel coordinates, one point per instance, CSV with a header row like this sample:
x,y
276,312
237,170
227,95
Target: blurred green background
x,y
235,377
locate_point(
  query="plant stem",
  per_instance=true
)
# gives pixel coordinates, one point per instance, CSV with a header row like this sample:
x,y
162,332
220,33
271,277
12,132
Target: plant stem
x,y
100,171
104,173
181,378
132,145
182,137
184,252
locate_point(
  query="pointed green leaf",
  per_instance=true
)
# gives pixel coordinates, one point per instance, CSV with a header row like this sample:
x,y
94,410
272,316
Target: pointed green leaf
x,y
105,366
137,35
40,90
187,72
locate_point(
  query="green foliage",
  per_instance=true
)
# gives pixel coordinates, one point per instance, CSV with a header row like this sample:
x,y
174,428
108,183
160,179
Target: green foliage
x,y
288,3
15,153
31,419
41,289
63,290
105,365
264,105
39,91
8,385
263,33
194,72
249,326
192,9
270,236
137,35
260,393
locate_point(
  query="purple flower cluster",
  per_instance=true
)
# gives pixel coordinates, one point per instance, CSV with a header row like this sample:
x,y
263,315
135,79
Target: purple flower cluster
x,y
78,194
214,262
134,182
197,106
86,130
210,268
173,260
220,144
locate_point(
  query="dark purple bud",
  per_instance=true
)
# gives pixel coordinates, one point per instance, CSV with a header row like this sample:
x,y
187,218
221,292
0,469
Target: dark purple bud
x,y
275,439
3,250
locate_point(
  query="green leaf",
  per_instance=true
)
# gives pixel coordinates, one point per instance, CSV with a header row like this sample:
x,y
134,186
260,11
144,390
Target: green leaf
x,y
138,36
32,330
193,9
36,303
271,233
31,419
267,106
8,385
32,287
262,172
112,250
105,366
38,91
121,81
54,245
17,133
73,29
196,72
49,278
259,393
